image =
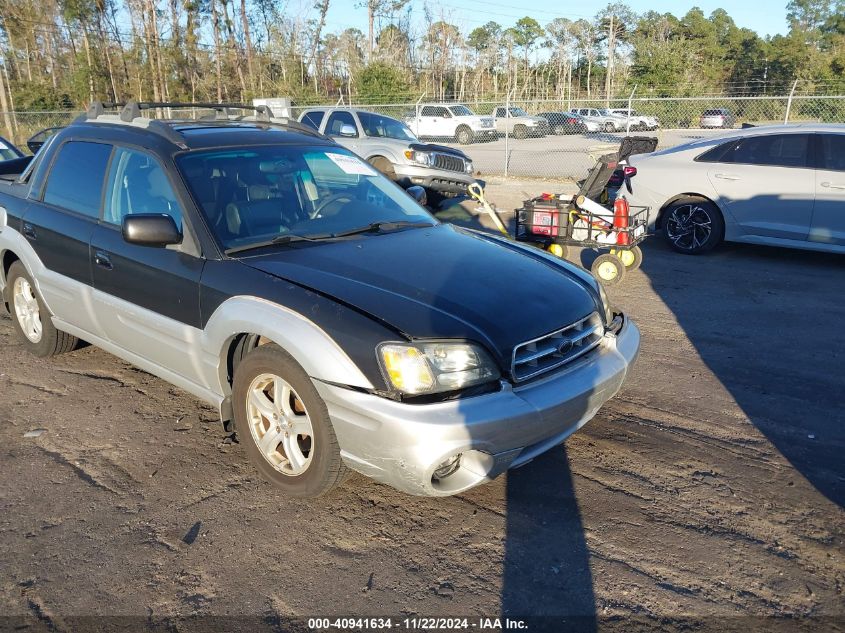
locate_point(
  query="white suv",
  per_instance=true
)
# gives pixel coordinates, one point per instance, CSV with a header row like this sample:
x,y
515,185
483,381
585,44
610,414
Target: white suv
x,y
638,121
454,121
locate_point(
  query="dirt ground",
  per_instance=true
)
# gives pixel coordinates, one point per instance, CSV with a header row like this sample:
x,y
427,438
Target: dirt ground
x,y
707,496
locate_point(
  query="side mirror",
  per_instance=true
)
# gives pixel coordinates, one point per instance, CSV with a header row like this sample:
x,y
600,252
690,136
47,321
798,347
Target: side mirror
x,y
348,130
418,193
150,229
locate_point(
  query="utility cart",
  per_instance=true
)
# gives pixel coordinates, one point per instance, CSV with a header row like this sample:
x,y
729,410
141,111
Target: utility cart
x,y
590,220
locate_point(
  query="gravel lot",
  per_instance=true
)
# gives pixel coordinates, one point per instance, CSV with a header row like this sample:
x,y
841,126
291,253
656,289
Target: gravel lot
x,y
708,495
566,156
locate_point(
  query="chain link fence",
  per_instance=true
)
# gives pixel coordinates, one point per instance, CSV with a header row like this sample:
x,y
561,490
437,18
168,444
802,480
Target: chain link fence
x,y
557,152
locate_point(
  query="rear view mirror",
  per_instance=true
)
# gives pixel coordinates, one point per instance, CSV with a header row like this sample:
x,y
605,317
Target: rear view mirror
x,y
348,130
418,193
150,229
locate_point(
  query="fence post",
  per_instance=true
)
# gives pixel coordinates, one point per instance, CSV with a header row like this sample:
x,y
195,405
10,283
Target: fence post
x,y
789,102
630,98
507,130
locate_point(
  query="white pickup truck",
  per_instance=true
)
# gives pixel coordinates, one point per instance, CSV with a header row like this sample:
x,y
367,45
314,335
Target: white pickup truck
x,y
450,121
518,123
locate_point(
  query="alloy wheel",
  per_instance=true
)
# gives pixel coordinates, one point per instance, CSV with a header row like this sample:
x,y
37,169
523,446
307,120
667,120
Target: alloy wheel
x,y
279,424
27,310
689,226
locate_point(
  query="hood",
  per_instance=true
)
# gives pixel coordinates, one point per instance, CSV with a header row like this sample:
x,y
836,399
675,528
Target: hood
x,y
443,282
442,149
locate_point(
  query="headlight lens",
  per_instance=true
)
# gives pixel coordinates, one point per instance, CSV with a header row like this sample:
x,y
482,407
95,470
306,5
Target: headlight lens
x,y
435,367
468,166
420,158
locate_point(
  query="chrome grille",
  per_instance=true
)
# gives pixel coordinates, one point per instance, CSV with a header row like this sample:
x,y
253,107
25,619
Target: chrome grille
x,y
554,350
449,162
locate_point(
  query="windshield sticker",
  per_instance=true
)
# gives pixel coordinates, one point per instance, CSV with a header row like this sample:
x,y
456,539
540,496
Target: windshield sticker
x,y
351,165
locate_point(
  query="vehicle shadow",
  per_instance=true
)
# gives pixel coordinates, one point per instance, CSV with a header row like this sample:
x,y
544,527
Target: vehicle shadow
x,y
547,563
768,323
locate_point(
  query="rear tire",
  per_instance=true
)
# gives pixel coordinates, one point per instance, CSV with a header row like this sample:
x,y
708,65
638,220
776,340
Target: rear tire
x,y
284,425
464,135
609,127
693,226
31,319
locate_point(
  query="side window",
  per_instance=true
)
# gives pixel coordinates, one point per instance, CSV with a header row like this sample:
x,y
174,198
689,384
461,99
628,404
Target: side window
x,y
500,112
75,181
428,111
138,184
720,153
444,112
833,152
779,150
313,119
337,120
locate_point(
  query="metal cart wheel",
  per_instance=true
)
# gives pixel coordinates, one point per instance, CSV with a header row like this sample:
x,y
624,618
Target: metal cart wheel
x,y
558,250
631,257
608,269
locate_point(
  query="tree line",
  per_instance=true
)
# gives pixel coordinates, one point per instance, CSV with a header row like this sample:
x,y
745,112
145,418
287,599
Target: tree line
x,y
61,54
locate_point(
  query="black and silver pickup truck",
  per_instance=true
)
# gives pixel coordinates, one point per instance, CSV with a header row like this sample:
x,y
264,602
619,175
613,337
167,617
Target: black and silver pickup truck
x,y
331,319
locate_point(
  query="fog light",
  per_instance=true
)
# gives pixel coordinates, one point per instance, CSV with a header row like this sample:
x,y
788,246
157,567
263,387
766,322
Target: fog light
x,y
448,467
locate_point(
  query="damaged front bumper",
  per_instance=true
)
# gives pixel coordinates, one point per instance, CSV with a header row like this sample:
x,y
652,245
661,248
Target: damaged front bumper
x,y
403,445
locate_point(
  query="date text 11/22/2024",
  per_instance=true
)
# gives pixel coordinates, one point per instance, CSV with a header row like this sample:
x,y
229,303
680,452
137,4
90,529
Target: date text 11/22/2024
x,y
416,624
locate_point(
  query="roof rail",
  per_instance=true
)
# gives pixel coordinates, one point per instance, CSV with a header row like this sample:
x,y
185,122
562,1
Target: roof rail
x,y
130,113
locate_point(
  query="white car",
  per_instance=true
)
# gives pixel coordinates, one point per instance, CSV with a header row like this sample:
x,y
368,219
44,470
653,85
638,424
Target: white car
x,y
606,121
450,121
781,185
638,121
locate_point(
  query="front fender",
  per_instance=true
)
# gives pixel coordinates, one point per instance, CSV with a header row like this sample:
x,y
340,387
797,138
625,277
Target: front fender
x,y
318,354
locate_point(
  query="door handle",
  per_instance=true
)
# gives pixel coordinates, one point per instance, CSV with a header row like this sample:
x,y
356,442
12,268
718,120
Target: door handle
x,y
102,260
830,185
29,231
727,176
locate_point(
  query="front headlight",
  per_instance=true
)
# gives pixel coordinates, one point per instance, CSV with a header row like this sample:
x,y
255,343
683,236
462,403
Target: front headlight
x,y
468,166
423,368
419,158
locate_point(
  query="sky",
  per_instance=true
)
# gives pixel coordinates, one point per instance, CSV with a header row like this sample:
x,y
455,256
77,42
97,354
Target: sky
x,y
766,18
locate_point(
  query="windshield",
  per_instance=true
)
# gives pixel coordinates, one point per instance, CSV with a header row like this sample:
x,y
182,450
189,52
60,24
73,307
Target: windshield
x,y
253,195
461,110
385,127
518,112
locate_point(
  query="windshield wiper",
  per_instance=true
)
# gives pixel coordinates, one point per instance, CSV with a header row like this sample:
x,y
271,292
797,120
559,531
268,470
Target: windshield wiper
x,y
388,225
288,238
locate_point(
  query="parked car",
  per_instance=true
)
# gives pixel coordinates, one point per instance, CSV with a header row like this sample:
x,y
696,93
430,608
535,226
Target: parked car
x,y
717,118
568,123
450,121
637,121
390,146
780,185
518,123
606,121
271,272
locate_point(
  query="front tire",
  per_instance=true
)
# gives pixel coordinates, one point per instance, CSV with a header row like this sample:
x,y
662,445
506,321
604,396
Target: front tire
x,y
520,132
609,127
464,135
693,226
384,166
284,424
31,319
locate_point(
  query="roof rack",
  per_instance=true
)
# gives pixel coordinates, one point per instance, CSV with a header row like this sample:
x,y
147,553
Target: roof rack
x,y
130,113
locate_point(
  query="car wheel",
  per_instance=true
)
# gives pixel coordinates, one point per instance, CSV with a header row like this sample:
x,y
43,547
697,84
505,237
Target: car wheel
x,y
558,250
464,135
31,319
559,129
520,131
693,226
384,166
609,127
284,425
608,269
